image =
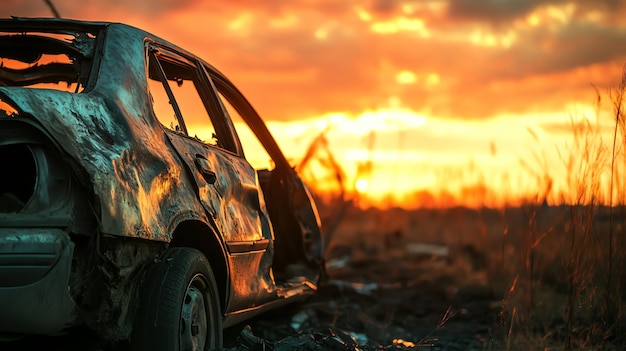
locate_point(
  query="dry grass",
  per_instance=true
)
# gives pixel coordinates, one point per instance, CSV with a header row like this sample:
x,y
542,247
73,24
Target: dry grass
x,y
565,262
558,269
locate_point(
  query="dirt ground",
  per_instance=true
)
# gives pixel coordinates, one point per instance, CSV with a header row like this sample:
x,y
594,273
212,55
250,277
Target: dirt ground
x,y
402,300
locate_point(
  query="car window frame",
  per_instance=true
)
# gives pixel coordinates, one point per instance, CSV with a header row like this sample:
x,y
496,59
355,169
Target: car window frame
x,y
250,116
228,140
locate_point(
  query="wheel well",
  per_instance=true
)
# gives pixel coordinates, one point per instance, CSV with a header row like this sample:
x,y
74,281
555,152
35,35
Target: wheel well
x,y
198,235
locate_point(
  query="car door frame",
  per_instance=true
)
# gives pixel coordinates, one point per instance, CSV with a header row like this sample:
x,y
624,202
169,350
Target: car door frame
x,y
299,197
227,187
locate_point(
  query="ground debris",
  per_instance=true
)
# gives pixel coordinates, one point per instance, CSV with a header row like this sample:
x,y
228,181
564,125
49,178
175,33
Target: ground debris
x,y
329,338
378,304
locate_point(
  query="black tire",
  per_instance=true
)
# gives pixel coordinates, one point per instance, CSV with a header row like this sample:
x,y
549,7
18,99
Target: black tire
x,y
179,307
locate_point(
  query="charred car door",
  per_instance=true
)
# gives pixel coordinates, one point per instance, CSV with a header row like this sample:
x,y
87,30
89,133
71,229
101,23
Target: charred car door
x,y
298,243
187,105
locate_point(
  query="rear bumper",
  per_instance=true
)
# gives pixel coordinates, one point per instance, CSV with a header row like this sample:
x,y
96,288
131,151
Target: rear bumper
x,y
35,267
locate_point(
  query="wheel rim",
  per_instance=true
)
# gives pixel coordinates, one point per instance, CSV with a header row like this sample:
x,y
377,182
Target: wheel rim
x,y
193,321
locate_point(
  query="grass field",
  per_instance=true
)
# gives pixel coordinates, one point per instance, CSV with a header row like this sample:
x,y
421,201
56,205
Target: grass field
x,y
555,260
547,267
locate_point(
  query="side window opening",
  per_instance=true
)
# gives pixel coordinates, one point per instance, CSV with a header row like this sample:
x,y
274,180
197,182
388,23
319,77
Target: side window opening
x,y
183,82
253,150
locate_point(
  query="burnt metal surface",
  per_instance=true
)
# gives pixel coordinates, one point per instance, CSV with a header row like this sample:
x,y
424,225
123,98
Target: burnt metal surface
x,y
232,200
118,187
132,168
38,258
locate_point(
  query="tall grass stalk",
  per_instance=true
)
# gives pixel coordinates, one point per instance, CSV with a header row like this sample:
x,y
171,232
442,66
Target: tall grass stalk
x,y
563,244
617,99
585,162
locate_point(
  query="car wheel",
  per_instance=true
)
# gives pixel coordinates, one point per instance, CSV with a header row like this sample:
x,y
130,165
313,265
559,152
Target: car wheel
x,y
179,307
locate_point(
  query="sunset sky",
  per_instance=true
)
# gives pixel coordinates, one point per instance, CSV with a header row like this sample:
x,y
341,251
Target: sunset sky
x,y
424,95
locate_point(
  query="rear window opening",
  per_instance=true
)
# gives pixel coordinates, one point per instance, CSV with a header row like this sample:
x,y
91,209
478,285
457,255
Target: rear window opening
x,y
17,178
46,60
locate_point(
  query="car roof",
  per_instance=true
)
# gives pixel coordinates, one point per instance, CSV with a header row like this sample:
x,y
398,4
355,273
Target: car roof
x,y
58,24
63,25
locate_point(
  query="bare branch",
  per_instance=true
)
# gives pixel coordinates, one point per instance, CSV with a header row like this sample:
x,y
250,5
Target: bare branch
x,y
52,8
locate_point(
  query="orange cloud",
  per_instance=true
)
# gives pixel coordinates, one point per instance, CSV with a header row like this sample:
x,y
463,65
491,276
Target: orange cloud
x,y
299,59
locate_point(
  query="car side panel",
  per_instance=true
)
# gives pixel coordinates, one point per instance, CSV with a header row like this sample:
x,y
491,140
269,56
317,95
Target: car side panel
x,y
233,202
120,153
227,199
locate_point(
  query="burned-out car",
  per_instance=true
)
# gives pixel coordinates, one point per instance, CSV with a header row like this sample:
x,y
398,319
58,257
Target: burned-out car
x,y
127,204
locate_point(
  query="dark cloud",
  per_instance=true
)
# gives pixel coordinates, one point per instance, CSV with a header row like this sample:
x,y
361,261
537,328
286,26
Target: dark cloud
x,y
502,11
492,10
384,7
581,46
606,5
150,7
572,47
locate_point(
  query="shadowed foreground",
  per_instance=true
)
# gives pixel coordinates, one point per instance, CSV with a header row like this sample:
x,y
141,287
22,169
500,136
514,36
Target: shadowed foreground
x,y
404,300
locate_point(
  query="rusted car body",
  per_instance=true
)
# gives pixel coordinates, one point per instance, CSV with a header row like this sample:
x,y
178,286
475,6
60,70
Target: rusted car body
x,y
104,183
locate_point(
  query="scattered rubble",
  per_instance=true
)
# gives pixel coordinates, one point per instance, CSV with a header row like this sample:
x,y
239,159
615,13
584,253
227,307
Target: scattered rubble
x,y
380,304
